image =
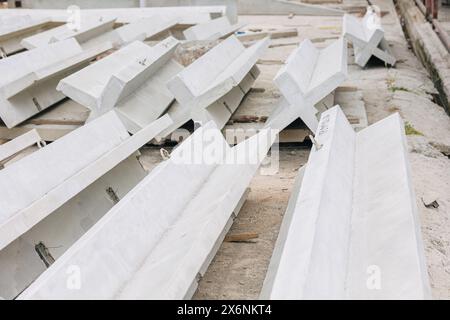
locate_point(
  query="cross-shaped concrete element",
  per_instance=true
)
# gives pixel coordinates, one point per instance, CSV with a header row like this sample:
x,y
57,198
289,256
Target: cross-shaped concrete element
x,y
213,86
367,37
308,77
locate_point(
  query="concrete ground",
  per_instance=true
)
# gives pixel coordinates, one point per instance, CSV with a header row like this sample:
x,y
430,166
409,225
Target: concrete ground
x,y
238,270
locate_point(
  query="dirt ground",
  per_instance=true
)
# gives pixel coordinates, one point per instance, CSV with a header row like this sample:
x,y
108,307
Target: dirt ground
x,y
238,269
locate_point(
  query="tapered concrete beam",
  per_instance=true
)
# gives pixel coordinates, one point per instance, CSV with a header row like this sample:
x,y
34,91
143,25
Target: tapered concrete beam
x,y
212,30
354,229
132,79
174,238
30,78
225,73
367,37
88,29
14,29
75,204
95,31
308,76
37,185
10,148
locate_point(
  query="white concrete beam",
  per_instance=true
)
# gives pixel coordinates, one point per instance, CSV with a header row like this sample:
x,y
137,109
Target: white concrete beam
x,y
29,84
95,31
308,76
174,238
367,37
132,79
10,148
13,29
354,232
185,15
212,30
225,73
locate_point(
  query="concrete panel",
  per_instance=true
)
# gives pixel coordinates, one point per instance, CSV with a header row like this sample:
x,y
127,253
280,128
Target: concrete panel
x,y
354,232
308,76
29,85
367,37
172,237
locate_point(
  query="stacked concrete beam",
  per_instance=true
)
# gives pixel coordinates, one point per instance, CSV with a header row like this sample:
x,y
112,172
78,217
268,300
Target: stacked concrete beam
x,y
54,195
354,229
212,30
96,31
132,80
11,148
309,76
174,238
213,86
29,79
88,29
367,37
14,29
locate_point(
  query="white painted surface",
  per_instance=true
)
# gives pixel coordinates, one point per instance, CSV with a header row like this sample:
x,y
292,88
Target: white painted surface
x,y
308,76
172,237
367,37
355,211
30,78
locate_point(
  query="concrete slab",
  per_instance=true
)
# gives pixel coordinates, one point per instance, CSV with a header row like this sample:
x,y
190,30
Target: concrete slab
x,y
308,76
29,85
175,238
367,37
354,232
132,80
212,30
